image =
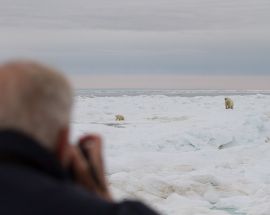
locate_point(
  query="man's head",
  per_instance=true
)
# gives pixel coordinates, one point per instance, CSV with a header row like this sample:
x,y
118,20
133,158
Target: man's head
x,y
36,100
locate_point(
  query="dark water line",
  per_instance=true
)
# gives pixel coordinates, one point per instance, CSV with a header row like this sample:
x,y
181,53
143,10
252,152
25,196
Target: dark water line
x,y
169,92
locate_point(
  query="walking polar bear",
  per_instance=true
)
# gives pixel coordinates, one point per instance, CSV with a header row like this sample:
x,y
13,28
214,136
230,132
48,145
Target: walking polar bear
x,y
119,117
229,103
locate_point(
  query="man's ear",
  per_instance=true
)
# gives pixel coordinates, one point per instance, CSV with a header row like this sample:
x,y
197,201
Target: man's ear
x,y
62,144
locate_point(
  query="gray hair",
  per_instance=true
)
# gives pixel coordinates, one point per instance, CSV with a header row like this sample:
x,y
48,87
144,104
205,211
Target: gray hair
x,y
34,99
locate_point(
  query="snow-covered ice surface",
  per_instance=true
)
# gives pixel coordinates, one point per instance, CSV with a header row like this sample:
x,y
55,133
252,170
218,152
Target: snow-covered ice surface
x,y
184,154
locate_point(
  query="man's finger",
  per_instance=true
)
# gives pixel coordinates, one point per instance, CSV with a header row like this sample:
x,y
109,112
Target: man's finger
x,y
80,169
91,145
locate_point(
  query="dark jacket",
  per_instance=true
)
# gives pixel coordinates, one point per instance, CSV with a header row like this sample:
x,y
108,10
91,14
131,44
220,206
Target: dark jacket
x,y
32,182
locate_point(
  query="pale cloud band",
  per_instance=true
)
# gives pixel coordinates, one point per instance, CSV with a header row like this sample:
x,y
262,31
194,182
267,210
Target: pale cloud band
x,y
172,82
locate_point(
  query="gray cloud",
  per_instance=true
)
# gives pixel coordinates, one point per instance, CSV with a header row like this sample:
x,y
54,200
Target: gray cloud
x,y
185,52
136,15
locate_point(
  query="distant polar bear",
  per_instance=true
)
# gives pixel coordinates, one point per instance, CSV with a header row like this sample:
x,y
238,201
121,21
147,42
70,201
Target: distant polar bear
x,y
229,103
119,117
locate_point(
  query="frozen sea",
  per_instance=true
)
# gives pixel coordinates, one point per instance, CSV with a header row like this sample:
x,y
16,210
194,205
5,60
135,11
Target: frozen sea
x,y
180,150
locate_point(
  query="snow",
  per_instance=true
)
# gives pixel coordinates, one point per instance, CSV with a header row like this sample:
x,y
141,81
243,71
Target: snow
x,y
184,155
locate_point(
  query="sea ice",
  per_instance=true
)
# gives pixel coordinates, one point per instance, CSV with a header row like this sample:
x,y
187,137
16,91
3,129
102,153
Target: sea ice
x,y
184,155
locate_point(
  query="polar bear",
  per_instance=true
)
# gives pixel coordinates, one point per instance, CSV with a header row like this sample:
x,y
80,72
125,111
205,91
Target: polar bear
x,y
119,117
229,103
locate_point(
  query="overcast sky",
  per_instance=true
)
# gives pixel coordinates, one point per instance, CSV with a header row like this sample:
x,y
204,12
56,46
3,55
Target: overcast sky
x,y
140,37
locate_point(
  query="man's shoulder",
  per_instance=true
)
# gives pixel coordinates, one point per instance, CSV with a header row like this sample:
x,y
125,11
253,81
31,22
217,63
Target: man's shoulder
x,y
83,202
74,198
38,193
134,208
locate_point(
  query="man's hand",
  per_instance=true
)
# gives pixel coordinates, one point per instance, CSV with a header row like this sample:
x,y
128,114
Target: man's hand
x,y
87,165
